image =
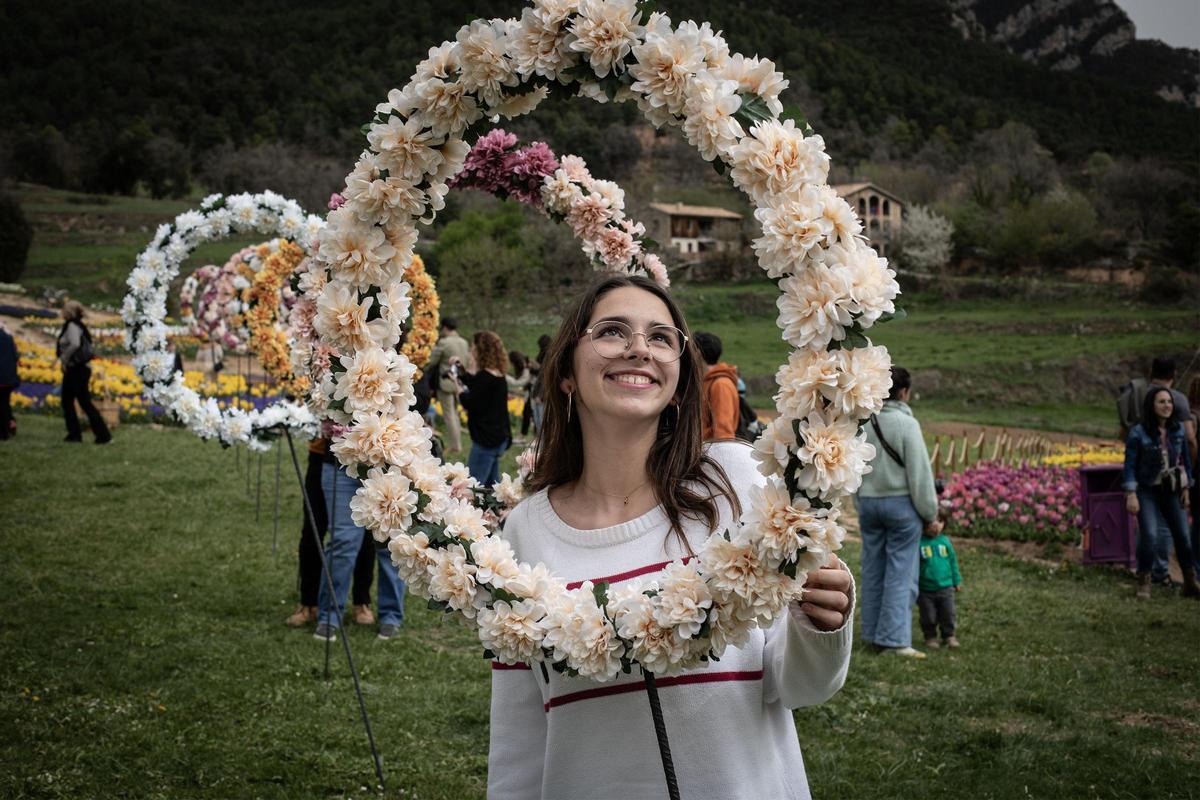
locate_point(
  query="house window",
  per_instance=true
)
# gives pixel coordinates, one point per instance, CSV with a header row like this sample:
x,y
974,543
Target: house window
x,y
874,204
887,208
862,206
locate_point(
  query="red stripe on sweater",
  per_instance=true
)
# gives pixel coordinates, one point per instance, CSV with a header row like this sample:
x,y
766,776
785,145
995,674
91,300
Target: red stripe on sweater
x,y
678,680
624,576
499,667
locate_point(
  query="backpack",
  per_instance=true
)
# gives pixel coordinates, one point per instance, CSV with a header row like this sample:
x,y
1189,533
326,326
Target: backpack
x,y
86,351
748,427
1129,402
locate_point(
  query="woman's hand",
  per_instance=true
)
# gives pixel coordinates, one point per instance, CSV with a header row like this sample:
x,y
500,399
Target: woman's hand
x,y
1131,503
935,527
827,596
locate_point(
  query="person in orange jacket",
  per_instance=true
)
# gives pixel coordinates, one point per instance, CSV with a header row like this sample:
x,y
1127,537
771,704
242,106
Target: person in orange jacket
x,y
721,404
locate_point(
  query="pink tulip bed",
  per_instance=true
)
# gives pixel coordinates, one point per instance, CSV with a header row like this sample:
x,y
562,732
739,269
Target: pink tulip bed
x,y
1022,503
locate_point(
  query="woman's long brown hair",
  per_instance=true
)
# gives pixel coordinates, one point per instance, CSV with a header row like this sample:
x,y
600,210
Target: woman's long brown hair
x,y
686,482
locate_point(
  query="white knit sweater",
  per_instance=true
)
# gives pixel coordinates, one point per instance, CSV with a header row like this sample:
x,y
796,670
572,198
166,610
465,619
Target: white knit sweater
x,y
730,727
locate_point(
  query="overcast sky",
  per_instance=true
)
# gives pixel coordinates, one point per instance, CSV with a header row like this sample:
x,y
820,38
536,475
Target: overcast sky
x,y
1176,22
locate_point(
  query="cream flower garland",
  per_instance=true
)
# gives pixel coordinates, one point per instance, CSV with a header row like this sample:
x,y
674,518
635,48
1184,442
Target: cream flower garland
x,y
833,288
145,308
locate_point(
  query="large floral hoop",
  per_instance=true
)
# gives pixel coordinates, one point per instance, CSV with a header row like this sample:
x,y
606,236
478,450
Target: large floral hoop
x,y
145,307
833,288
267,301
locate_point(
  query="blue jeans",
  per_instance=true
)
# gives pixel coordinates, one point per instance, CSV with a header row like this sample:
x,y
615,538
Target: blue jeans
x,y
1160,512
345,538
891,536
484,463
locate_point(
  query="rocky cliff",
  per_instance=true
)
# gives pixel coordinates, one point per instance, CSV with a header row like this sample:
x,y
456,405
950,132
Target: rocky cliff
x,y
1091,35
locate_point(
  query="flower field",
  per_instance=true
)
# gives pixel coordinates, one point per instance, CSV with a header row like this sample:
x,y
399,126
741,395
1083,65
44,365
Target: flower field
x,y
1026,502
118,382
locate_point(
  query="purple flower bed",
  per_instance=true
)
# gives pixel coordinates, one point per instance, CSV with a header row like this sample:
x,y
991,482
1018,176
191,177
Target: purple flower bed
x,y
1021,503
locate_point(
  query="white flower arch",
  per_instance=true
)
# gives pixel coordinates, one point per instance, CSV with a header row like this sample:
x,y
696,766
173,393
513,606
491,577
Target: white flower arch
x,y
833,287
145,308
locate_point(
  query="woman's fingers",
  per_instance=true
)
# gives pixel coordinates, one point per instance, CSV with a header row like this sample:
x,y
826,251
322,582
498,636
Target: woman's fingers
x,y
826,598
823,618
828,578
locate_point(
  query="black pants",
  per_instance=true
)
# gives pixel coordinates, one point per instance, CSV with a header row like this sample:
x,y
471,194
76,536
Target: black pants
x,y
5,410
75,389
937,611
310,557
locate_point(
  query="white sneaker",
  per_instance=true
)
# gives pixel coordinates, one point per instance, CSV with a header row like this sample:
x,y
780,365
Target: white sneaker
x,y
907,652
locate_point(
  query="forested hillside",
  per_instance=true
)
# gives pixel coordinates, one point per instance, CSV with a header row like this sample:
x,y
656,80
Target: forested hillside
x,y
104,95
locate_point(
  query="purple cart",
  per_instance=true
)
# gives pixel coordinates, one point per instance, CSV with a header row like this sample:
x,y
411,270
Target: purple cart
x,y
1109,531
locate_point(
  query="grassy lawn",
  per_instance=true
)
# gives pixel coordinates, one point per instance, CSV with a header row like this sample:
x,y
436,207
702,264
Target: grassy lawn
x,y
144,657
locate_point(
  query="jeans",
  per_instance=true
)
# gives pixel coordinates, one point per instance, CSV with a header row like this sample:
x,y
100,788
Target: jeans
x,y
5,411
891,536
937,610
344,543
484,463
539,409
1159,509
75,388
311,576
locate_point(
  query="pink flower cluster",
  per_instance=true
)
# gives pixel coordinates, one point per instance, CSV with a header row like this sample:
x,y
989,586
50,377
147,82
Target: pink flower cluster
x,y
1023,503
494,166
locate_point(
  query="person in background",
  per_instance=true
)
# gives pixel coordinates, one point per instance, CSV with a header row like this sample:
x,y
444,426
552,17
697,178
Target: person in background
x,y
1194,402
484,394
896,503
537,400
450,348
1156,479
518,383
1129,407
720,413
345,543
174,351
75,351
9,380
939,581
310,577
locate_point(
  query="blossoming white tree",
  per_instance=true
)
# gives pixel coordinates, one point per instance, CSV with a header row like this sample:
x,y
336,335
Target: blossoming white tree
x,y
927,241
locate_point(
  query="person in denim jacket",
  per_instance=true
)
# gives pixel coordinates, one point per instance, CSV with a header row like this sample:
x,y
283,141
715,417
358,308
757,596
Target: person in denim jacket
x,y
1155,445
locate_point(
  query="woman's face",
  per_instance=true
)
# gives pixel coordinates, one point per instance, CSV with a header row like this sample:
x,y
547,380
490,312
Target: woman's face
x,y
632,386
1164,406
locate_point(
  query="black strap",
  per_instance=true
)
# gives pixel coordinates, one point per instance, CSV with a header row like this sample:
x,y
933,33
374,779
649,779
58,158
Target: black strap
x,y
891,451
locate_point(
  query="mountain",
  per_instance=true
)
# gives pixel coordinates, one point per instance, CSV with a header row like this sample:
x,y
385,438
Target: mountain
x,y
1092,36
104,96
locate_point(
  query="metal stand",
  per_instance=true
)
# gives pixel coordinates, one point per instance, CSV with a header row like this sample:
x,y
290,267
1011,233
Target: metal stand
x,y
362,706
660,730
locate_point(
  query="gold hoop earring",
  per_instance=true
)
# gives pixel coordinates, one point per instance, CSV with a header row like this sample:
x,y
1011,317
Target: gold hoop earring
x,y
570,402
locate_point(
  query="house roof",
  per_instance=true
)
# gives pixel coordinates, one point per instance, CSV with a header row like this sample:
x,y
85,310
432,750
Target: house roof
x,y
847,189
681,210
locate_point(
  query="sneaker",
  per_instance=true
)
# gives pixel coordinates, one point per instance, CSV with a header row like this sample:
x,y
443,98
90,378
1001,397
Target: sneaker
x,y
303,615
104,439
387,631
73,439
952,642
906,652
932,644
325,632
363,615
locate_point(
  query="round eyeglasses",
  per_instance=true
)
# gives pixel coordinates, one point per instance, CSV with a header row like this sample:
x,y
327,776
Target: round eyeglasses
x,y
612,338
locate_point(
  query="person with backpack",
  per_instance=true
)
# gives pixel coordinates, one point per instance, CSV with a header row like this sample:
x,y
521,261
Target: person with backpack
x,y
897,502
75,351
1156,477
10,359
1129,410
721,411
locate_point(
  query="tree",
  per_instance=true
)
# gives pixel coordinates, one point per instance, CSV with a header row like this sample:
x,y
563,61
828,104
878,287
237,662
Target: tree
x,y
927,239
16,235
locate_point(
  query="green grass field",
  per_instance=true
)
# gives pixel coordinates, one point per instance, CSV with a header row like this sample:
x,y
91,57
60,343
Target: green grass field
x,y
144,657
1053,363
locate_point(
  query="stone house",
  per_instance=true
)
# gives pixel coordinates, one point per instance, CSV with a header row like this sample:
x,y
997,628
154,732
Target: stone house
x,y
695,233
880,212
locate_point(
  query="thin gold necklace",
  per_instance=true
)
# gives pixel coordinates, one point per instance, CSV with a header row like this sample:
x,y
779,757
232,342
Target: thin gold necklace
x,y
624,498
